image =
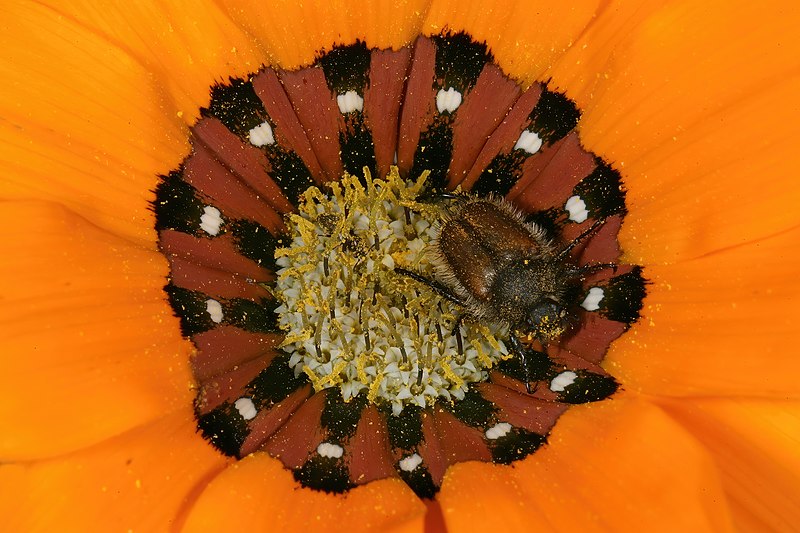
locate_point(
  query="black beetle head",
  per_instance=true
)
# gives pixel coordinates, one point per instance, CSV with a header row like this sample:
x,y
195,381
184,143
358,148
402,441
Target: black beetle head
x,y
547,320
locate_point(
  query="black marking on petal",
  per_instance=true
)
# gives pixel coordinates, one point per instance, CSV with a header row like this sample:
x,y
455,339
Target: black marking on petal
x,y
588,387
224,428
273,384
357,147
341,418
420,481
554,116
538,363
324,473
500,176
602,191
517,444
405,430
433,153
623,297
190,307
237,106
459,60
289,172
251,316
474,410
347,68
177,205
255,242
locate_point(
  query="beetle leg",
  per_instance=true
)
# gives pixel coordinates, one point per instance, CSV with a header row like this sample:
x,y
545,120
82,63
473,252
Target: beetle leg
x,y
437,287
457,325
535,365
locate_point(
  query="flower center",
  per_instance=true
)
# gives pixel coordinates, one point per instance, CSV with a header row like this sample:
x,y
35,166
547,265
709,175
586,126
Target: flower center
x,y
353,322
359,328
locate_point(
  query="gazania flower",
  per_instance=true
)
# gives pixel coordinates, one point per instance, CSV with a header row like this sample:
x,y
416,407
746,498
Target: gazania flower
x,y
113,416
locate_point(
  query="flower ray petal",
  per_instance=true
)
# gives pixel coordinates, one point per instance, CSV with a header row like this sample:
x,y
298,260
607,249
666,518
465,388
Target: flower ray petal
x,y
611,465
227,503
293,33
754,443
140,480
103,372
744,300
100,129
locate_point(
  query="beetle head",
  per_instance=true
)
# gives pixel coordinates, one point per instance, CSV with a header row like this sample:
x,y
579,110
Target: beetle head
x,y
547,319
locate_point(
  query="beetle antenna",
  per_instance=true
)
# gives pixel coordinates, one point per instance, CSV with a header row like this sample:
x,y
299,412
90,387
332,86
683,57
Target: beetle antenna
x,y
587,270
433,195
577,240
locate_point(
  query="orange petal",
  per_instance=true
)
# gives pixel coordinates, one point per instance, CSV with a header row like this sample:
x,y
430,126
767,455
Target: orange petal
x,y
724,324
754,443
608,466
646,73
83,122
699,118
723,183
525,38
140,481
190,45
294,33
90,346
259,494
486,497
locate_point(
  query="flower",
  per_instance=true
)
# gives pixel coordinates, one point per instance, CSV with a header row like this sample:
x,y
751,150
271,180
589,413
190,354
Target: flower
x,y
693,102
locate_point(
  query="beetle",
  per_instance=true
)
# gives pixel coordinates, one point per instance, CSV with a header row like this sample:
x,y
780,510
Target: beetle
x,y
502,269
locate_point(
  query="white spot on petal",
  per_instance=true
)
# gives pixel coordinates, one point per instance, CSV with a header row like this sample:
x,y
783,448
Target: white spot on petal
x,y
593,299
246,408
214,310
528,141
448,101
211,220
498,430
410,463
326,449
349,102
577,209
261,135
562,381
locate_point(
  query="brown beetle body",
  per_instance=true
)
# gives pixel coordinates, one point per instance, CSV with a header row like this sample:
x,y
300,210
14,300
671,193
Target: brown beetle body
x,y
502,268
505,270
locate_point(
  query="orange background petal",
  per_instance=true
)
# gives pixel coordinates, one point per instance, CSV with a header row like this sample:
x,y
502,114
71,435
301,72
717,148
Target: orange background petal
x,y
525,38
143,480
724,324
187,54
609,466
259,494
294,33
754,443
696,103
83,123
90,345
